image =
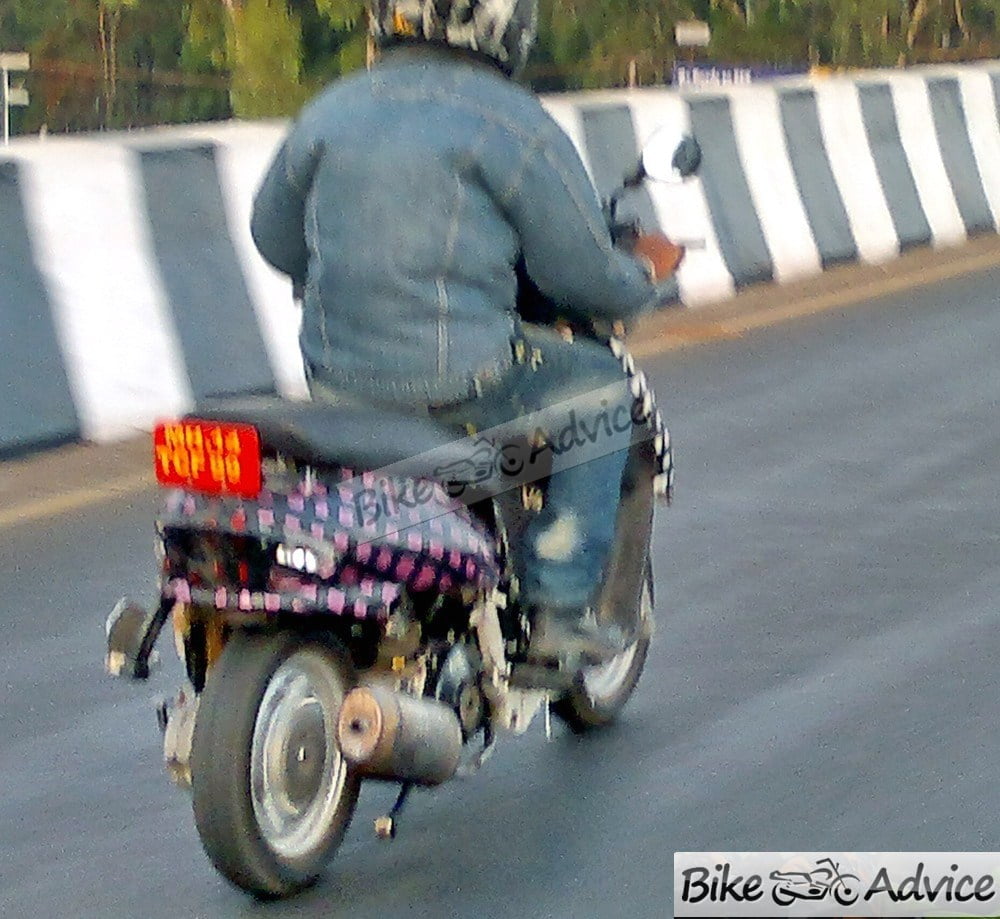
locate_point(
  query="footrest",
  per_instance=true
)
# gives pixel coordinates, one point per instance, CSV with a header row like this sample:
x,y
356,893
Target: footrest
x,y
542,678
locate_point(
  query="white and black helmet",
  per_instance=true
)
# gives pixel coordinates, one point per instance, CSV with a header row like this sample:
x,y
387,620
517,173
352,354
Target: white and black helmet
x,y
504,30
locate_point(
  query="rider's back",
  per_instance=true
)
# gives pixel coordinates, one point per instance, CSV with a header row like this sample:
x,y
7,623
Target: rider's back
x,y
420,181
410,285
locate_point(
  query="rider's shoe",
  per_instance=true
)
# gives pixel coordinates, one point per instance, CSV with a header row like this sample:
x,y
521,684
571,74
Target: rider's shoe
x,y
565,636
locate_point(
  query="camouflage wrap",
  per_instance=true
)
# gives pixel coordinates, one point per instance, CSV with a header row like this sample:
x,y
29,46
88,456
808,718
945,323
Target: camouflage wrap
x,y
368,536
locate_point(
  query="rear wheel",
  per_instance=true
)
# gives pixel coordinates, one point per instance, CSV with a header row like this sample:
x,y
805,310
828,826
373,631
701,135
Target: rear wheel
x,y
600,693
272,793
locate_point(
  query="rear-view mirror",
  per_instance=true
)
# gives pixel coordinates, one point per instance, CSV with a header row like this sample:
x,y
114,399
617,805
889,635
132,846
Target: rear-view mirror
x,y
671,156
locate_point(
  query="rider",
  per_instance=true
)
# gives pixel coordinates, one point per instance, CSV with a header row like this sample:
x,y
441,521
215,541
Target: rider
x,y
400,205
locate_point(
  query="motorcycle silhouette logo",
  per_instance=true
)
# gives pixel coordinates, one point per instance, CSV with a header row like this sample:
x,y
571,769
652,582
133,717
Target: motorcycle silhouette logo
x,y
485,462
825,879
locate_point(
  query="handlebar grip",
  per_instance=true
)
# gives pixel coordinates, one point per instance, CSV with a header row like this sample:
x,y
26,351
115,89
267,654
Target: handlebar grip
x,y
625,233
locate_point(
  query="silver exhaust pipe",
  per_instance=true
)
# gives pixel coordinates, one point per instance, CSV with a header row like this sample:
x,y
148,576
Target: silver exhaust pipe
x,y
394,736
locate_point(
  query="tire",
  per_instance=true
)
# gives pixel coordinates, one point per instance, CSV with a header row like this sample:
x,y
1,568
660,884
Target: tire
x,y
600,693
268,826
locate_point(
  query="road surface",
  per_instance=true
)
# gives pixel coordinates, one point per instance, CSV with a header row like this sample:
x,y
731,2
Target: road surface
x,y
824,675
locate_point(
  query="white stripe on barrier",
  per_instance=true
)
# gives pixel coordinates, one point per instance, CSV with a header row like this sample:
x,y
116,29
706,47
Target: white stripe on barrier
x,y
567,116
682,210
243,157
123,356
984,131
919,137
760,138
854,170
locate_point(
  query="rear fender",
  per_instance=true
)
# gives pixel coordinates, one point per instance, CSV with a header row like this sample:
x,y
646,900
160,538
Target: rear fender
x,y
628,568
131,634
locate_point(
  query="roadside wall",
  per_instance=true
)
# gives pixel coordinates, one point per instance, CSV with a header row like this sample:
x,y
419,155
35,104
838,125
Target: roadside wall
x,y
129,286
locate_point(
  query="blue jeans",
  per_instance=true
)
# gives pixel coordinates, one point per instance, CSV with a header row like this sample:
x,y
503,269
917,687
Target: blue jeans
x,y
566,545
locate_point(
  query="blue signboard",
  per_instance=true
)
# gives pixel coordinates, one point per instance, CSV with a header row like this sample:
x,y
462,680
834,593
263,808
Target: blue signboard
x,y
708,74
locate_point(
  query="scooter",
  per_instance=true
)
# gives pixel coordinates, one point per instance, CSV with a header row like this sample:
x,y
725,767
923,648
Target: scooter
x,y
346,608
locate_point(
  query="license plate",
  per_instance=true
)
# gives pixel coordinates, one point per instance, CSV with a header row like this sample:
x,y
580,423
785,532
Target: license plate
x,y
205,456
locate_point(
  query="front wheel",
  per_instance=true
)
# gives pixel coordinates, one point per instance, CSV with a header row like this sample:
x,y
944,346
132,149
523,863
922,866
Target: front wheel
x,y
846,893
600,693
272,793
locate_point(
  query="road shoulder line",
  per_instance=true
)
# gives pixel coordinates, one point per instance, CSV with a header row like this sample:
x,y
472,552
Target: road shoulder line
x,y
839,288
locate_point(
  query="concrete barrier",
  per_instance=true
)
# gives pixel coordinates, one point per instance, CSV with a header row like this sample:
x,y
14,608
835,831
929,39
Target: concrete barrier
x,y
130,287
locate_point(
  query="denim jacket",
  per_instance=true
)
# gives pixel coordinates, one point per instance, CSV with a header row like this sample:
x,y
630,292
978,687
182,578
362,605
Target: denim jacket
x,y
401,201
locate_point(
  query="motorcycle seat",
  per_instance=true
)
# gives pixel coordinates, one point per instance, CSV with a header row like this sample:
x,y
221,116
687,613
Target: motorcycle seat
x,y
358,438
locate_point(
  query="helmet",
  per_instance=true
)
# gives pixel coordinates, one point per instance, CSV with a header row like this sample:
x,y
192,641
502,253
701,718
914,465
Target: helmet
x,y
503,30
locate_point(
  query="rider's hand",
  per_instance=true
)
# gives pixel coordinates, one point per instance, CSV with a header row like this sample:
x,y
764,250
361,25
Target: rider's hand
x,y
660,256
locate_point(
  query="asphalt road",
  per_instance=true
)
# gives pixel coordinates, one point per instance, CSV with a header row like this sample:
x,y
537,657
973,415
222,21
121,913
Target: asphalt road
x,y
824,675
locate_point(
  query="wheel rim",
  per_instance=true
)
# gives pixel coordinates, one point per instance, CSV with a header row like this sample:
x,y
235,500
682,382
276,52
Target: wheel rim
x,y
297,773
603,681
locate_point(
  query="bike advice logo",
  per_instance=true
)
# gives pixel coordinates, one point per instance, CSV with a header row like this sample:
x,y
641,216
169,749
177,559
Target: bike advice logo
x,y
570,432
837,884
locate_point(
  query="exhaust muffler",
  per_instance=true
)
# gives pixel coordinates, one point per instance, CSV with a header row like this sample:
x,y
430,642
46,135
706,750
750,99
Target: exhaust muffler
x,y
390,735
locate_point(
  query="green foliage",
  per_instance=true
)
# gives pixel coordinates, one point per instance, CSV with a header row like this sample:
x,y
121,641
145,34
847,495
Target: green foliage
x,y
204,36
345,24
120,63
264,52
353,54
344,15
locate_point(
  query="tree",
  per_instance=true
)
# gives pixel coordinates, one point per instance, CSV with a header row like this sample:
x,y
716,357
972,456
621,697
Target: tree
x,y
119,63
109,17
350,20
264,53
590,42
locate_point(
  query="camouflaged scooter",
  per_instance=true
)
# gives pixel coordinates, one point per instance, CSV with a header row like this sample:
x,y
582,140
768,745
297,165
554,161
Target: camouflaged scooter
x,y
339,624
